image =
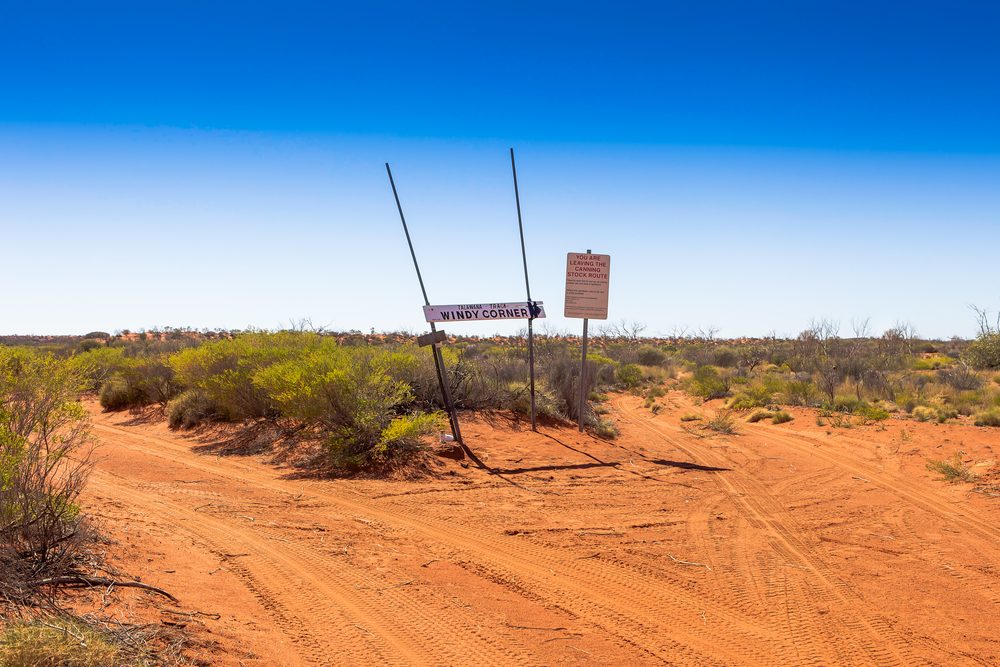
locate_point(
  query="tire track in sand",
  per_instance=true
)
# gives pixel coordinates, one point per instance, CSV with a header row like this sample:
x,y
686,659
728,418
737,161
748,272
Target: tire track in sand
x,y
673,625
326,611
869,639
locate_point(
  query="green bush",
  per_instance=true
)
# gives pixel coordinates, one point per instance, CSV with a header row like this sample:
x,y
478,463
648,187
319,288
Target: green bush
x,y
650,356
755,395
872,413
781,417
800,392
352,397
988,418
190,409
117,394
44,461
98,365
224,370
984,352
708,383
629,376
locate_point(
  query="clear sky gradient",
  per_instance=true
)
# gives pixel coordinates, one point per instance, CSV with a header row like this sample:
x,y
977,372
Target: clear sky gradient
x,y
747,165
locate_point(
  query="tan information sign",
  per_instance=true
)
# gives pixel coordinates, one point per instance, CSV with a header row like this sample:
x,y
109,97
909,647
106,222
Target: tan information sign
x,y
587,280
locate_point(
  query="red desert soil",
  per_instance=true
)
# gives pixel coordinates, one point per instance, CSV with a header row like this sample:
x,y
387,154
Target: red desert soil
x,y
794,544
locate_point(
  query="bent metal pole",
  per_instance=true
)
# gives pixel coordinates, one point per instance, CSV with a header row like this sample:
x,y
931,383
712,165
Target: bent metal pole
x,y
527,287
438,358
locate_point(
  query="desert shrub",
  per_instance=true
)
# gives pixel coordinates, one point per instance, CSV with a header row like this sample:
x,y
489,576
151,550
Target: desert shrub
x,y
924,413
800,392
58,642
967,402
944,414
722,422
708,383
44,461
351,397
847,404
629,376
562,376
117,394
759,415
191,408
650,356
781,417
605,428
478,379
690,417
98,364
753,395
872,412
951,469
984,352
224,370
137,382
725,358
960,377
932,363
988,418
546,404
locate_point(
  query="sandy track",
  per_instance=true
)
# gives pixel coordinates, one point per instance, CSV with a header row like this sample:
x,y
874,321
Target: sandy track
x,y
662,547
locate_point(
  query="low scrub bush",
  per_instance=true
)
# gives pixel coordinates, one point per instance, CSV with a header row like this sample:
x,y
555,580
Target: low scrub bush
x,y
872,413
44,462
952,469
352,396
190,409
932,363
650,356
988,418
754,395
723,422
546,405
605,428
800,392
759,415
781,417
924,413
117,394
984,352
708,383
58,642
628,376
960,377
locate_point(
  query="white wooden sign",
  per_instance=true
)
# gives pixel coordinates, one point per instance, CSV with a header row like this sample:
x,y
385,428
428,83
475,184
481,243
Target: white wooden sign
x,y
587,279
483,311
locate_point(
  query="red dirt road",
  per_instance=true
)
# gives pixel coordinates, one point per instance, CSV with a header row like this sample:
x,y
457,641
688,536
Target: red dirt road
x,y
793,544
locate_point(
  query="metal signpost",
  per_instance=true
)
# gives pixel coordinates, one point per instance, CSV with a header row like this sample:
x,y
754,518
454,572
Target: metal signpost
x,y
435,336
522,310
527,287
587,280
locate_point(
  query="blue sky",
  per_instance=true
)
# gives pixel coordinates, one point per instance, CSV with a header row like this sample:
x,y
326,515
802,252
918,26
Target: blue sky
x,y
747,165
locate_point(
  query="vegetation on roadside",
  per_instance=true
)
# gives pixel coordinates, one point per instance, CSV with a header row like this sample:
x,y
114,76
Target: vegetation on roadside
x,y
952,469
